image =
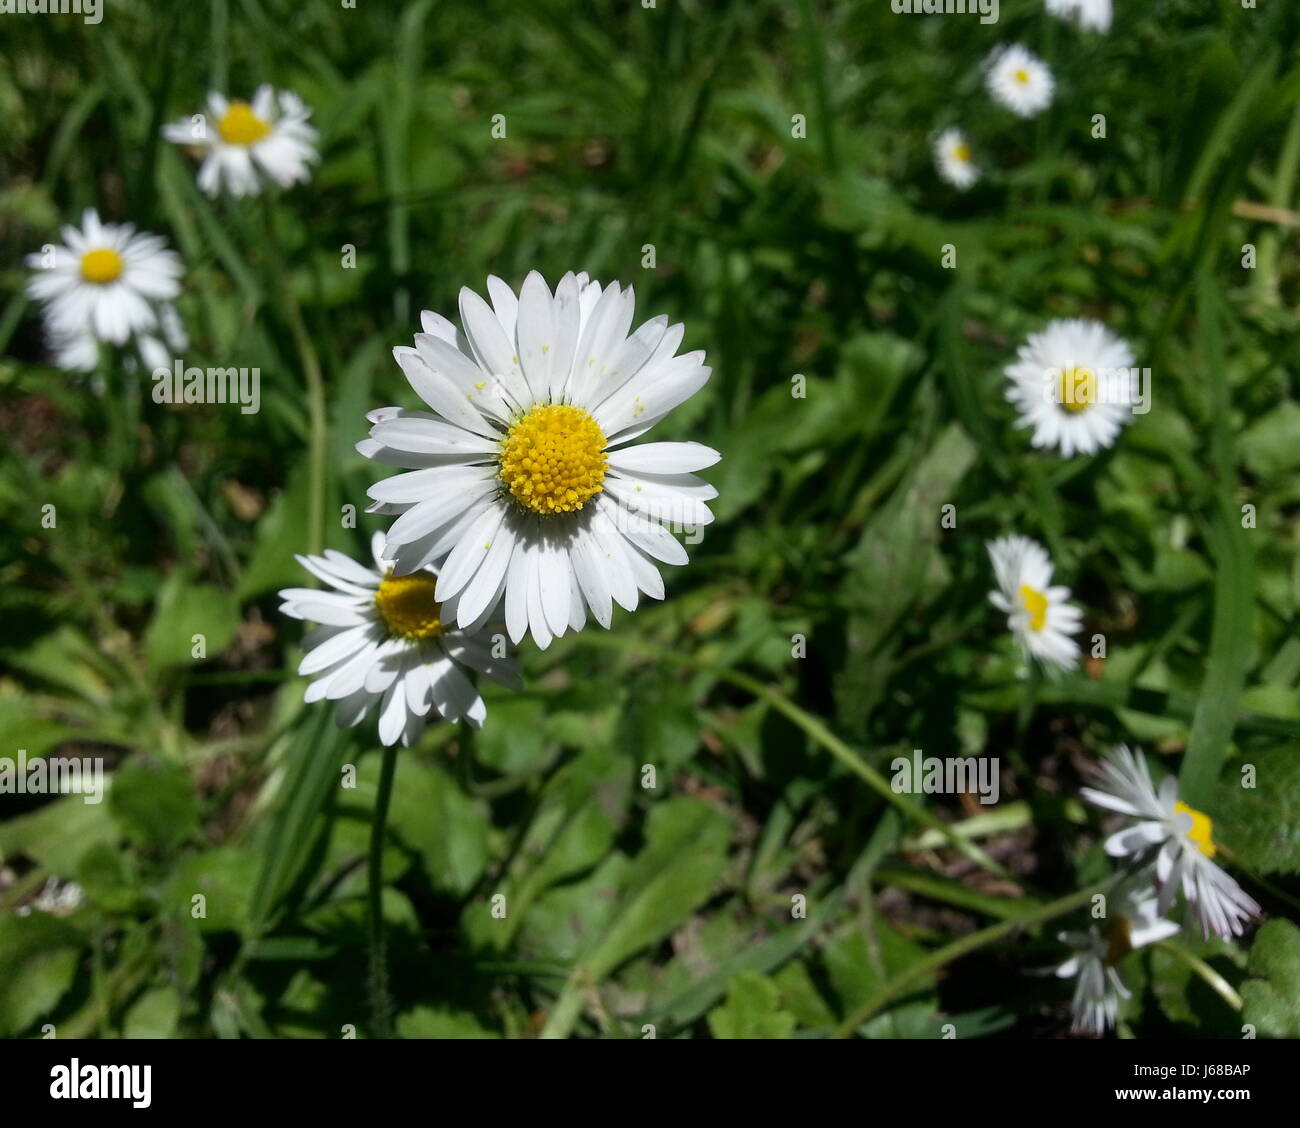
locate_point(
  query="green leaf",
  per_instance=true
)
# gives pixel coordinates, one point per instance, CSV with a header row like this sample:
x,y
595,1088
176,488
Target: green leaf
x,y
39,954
154,1014
752,1010
186,610
1260,825
154,802
1271,996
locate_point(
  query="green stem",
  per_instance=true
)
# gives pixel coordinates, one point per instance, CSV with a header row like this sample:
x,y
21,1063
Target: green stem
x,y
311,370
380,1003
962,947
1221,986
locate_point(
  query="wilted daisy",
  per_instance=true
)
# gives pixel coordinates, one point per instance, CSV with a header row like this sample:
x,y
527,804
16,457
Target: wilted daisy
x,y
1019,80
1132,920
1074,383
1091,15
244,141
105,282
521,476
1038,615
383,639
952,157
1179,836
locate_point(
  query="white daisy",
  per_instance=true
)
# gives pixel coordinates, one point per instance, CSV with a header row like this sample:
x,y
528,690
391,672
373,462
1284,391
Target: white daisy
x,y
383,639
106,282
952,157
1132,920
521,476
1091,15
245,141
1180,837
1038,615
1074,383
1019,80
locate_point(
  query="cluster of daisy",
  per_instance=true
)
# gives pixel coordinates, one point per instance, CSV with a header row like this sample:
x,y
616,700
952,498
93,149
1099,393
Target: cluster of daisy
x,y
1170,849
519,497
108,284
1018,80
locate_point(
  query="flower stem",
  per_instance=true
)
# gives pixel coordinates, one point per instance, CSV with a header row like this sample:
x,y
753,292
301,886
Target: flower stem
x,y
380,1003
311,370
967,944
1216,982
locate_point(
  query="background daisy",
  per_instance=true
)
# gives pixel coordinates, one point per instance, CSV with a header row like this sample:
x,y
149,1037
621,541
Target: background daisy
x,y
952,157
1038,615
105,283
1091,15
1074,384
244,142
1179,837
1019,80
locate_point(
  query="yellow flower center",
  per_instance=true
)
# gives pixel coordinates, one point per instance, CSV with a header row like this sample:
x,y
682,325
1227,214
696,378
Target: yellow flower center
x,y
240,126
553,459
1119,940
1036,604
962,152
1021,76
407,606
1078,388
1201,829
102,266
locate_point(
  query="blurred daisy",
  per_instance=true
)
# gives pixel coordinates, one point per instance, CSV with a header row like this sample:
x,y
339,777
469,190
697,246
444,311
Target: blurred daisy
x,y
1180,838
382,639
521,476
1132,921
1091,15
106,282
246,141
1019,80
952,157
1037,613
1074,383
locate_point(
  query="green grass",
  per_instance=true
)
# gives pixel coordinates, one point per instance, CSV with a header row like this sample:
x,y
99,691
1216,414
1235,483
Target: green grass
x,y
771,882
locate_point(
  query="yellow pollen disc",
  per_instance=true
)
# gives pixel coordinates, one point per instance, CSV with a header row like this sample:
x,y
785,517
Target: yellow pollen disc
x,y
1078,388
1036,604
1119,940
102,266
1201,829
553,459
407,606
240,126
962,152
1022,76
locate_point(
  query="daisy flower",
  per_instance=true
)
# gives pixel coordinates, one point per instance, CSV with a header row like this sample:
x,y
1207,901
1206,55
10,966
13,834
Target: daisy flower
x,y
383,640
1019,80
1180,837
1132,921
1091,15
952,157
106,282
268,137
1038,615
521,475
1074,383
